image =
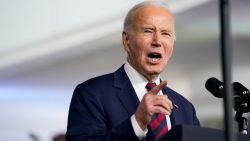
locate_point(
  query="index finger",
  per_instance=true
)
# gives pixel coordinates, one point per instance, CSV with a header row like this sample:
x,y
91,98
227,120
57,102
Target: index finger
x,y
157,88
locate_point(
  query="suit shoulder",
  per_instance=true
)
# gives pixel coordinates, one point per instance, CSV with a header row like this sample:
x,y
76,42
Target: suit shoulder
x,y
102,81
94,88
178,96
98,81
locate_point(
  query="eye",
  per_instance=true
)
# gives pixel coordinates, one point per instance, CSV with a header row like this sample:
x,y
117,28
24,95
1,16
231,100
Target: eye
x,y
148,31
166,34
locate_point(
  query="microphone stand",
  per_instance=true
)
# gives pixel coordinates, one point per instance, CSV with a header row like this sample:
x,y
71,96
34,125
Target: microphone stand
x,y
241,106
242,122
226,68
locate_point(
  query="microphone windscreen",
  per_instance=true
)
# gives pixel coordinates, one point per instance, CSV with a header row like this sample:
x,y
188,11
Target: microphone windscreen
x,y
214,86
242,91
239,87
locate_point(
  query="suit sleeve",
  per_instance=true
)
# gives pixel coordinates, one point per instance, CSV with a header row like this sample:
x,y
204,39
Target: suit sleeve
x,y
87,120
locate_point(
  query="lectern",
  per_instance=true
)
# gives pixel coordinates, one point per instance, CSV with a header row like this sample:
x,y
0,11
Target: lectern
x,y
195,133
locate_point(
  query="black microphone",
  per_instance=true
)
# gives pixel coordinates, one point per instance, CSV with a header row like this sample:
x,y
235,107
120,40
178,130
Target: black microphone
x,y
241,94
215,86
241,100
242,91
241,106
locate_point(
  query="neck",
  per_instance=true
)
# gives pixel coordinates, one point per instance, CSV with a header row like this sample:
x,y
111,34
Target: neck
x,y
150,77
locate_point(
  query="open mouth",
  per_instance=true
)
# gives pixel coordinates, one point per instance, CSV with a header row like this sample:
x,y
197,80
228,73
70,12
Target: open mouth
x,y
154,56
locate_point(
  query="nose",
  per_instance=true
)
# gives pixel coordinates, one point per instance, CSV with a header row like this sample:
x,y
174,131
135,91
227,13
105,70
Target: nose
x,y
156,41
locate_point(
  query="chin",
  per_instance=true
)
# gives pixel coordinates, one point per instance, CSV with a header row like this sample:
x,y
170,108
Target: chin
x,y
155,71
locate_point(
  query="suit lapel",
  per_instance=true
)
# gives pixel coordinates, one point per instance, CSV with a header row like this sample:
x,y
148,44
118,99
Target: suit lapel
x,y
125,91
127,95
175,102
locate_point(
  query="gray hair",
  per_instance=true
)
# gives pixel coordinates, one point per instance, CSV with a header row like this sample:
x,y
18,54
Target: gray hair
x,y
129,17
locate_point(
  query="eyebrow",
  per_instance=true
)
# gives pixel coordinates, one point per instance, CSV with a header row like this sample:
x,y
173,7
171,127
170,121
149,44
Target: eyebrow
x,y
146,27
166,30
152,28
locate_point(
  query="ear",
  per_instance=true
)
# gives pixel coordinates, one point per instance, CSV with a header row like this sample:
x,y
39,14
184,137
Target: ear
x,y
125,41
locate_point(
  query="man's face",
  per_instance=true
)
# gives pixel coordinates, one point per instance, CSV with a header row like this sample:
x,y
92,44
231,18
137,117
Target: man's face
x,y
149,42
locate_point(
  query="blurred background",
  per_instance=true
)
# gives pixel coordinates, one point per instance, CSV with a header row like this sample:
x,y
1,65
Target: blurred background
x,y
47,47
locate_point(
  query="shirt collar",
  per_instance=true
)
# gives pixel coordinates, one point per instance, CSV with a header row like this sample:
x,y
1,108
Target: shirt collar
x,y
138,81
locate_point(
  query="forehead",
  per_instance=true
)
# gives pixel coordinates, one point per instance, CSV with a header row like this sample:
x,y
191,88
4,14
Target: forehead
x,y
152,14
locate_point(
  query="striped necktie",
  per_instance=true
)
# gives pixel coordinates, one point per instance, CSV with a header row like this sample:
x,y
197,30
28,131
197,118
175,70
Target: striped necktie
x,y
158,123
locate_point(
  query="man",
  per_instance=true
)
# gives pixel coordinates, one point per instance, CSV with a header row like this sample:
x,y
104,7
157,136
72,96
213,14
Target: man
x,y
117,106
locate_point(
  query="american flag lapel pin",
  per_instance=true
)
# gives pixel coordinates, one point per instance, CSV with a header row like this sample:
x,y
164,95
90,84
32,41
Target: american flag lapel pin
x,y
176,106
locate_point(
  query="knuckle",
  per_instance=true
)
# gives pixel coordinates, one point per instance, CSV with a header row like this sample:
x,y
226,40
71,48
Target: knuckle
x,y
163,111
170,102
159,110
146,96
162,102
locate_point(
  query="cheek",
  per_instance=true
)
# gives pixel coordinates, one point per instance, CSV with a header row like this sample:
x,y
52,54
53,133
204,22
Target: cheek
x,y
138,51
169,50
137,47
136,55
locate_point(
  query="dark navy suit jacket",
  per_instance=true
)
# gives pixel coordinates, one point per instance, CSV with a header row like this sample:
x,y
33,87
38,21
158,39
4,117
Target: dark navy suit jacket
x,y
101,108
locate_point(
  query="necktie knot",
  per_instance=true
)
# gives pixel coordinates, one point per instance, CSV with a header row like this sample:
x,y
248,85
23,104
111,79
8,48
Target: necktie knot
x,y
150,85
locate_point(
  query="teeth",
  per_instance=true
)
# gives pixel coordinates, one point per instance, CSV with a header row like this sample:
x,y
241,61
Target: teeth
x,y
155,59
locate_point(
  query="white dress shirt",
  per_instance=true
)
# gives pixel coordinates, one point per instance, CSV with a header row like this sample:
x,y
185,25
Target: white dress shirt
x,y
139,82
